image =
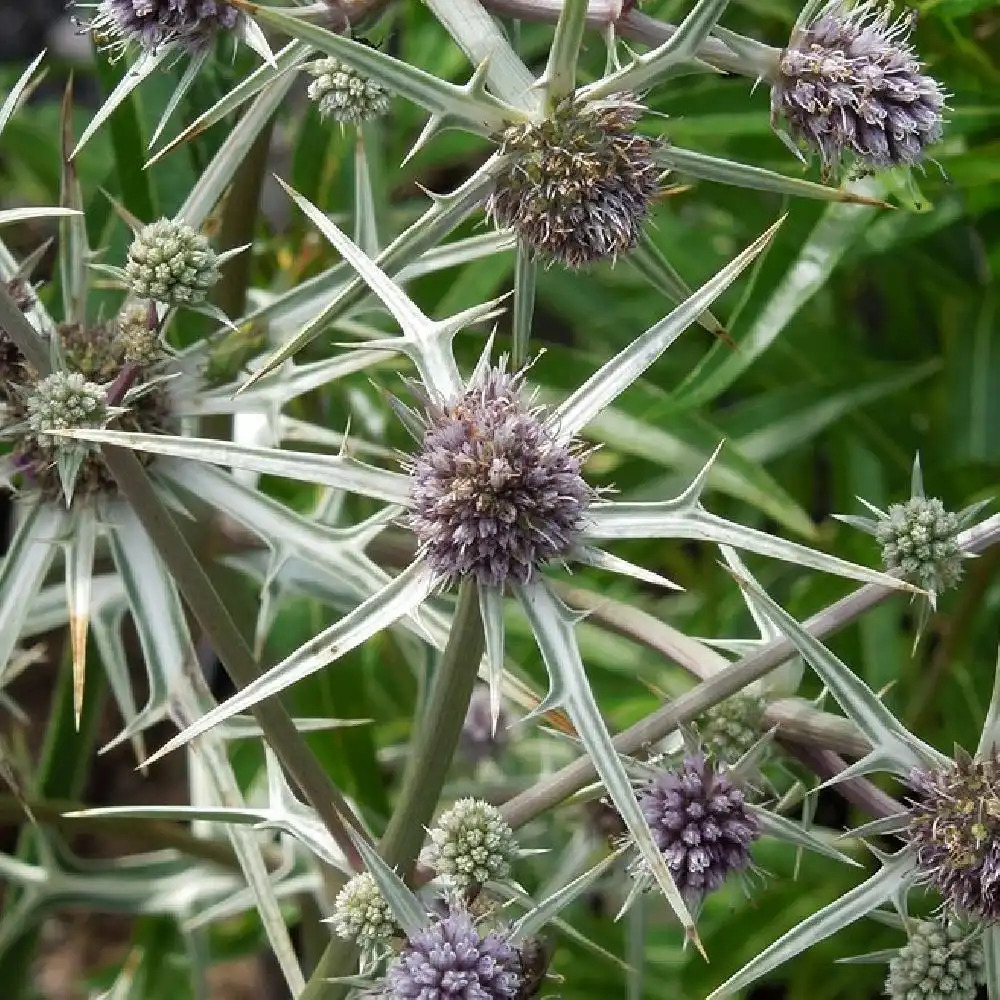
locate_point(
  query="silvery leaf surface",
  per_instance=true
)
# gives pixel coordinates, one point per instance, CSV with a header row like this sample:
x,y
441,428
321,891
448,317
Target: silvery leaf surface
x,y
569,688
882,886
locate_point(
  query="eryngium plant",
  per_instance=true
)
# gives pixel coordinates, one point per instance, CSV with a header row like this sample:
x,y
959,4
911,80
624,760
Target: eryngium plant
x,y
850,87
494,492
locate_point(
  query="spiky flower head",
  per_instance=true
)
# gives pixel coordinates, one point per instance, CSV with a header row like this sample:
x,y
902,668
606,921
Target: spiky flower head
x,y
578,186
344,94
700,822
850,85
172,263
955,828
941,960
153,23
61,401
138,338
451,960
730,728
472,844
361,913
494,494
479,738
919,539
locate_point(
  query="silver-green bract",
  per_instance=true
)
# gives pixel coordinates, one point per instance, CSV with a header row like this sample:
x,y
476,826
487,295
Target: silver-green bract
x,y
428,344
895,750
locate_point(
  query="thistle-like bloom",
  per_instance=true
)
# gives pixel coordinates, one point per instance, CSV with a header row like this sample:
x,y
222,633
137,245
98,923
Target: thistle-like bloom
x,y
479,738
153,23
361,914
941,960
344,94
728,730
700,823
494,494
169,262
578,186
850,85
451,960
63,400
919,539
955,828
471,844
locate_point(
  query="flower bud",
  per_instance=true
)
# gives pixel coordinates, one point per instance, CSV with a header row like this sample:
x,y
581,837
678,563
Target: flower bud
x,y
472,844
361,914
941,961
344,94
169,262
61,401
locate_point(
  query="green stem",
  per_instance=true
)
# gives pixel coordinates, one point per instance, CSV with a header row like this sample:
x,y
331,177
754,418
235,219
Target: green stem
x,y
427,766
231,648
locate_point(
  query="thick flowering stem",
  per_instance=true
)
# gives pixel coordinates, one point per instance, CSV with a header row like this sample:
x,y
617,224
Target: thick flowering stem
x,y
434,745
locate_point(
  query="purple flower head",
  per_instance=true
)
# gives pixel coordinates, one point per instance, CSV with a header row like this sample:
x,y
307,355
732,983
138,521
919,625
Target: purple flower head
x,y
578,186
451,960
700,823
152,23
955,828
850,85
494,494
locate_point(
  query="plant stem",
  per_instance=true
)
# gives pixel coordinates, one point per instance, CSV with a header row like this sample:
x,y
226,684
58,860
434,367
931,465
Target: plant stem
x,y
571,778
230,646
427,765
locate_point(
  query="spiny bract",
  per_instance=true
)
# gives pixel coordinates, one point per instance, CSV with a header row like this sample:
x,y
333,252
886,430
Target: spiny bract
x,y
850,85
578,186
495,495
